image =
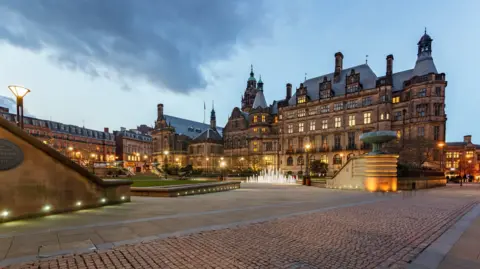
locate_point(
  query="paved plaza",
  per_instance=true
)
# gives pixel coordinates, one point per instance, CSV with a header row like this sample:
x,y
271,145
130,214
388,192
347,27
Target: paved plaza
x,y
258,226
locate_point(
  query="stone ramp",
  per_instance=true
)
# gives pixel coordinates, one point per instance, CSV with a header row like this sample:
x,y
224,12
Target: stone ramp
x,y
37,180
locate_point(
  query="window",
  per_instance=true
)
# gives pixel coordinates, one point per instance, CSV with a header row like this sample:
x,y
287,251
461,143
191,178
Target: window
x,y
351,120
387,115
264,130
384,98
300,160
324,109
300,127
338,122
290,128
352,89
397,115
301,113
325,94
449,154
351,140
396,99
469,154
422,110
422,93
268,146
302,99
399,134
255,130
255,118
456,154
352,104
312,125
438,91
263,118
255,146
367,117
324,159
275,119
338,106
337,159
337,141
366,101
324,124
312,112
324,142
436,132
437,109
382,116
421,131
289,161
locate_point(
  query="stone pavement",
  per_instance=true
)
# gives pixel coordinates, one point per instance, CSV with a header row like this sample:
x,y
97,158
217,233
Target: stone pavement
x,y
388,233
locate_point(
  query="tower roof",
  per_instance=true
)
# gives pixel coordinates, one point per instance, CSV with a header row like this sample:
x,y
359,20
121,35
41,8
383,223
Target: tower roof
x,y
259,100
252,75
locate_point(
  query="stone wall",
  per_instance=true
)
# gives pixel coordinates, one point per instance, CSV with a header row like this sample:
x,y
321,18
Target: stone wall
x,y
367,172
406,183
43,181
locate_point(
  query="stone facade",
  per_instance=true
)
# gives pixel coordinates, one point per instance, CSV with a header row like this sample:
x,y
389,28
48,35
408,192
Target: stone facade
x,y
134,149
80,144
331,111
462,158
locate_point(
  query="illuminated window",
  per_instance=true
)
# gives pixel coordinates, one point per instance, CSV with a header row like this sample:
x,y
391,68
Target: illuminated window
x,y
351,120
312,125
300,127
290,128
324,124
381,116
264,130
275,120
263,118
469,154
302,99
367,118
388,116
456,163
449,154
456,154
338,122
255,130
255,148
396,99
301,113
324,159
255,118
399,134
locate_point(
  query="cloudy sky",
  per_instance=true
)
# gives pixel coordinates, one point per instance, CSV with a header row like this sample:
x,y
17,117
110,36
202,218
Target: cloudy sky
x,y
108,63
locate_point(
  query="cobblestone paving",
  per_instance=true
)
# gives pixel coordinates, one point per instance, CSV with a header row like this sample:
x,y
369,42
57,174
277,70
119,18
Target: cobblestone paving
x,y
380,235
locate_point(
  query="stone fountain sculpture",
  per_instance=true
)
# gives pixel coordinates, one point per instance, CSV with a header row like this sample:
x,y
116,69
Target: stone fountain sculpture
x,y
377,139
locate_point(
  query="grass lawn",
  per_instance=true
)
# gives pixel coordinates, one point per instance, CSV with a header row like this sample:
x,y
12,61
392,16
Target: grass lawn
x,y
151,183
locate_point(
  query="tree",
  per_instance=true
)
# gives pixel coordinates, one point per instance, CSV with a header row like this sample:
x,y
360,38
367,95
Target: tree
x,y
413,152
318,167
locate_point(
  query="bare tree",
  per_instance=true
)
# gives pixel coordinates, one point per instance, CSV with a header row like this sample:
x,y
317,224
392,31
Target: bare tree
x,y
413,152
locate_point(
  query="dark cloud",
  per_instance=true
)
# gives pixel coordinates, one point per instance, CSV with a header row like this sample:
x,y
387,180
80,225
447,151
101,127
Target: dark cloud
x,y
164,41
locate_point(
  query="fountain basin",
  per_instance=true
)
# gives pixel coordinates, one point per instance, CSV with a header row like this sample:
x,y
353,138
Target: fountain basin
x,y
378,138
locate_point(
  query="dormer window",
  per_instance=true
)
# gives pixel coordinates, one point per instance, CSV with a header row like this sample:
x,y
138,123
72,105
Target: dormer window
x,y
302,99
352,89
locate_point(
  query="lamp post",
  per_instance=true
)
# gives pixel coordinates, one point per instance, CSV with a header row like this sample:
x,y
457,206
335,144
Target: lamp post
x,y
441,145
19,93
222,165
166,156
306,177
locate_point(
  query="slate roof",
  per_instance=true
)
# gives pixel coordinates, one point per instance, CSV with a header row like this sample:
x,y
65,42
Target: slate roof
x,y
188,127
208,135
367,79
259,100
423,66
399,78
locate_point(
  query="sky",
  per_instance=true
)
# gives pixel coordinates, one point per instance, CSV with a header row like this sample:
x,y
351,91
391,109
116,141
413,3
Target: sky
x,y
109,63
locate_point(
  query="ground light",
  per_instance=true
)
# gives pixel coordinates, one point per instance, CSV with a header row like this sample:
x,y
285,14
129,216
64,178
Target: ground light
x,y
47,208
103,200
5,213
123,198
79,203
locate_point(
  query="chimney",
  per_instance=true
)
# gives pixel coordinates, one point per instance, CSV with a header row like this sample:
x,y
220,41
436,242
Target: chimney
x,y
338,66
467,139
106,130
389,65
289,91
159,111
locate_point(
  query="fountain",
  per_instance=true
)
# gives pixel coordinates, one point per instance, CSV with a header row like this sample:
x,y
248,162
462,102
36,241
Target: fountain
x,y
271,176
377,139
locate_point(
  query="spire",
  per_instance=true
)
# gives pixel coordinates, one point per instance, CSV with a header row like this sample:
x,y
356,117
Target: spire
x,y
425,45
213,118
424,64
251,69
259,100
260,83
252,75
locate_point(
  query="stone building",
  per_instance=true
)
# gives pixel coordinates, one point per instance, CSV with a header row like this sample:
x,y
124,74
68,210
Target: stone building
x,y
206,149
172,137
80,144
461,158
133,149
331,111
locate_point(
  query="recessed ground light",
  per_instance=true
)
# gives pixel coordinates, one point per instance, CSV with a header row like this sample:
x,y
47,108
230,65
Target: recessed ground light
x,y
5,213
47,208
79,203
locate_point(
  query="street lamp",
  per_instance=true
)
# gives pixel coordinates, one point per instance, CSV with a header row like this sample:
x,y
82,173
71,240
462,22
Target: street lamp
x,y
441,145
19,93
166,156
306,178
222,165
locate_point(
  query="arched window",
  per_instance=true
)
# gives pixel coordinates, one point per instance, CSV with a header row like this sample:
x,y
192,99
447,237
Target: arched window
x,y
289,161
324,159
349,156
300,160
337,159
